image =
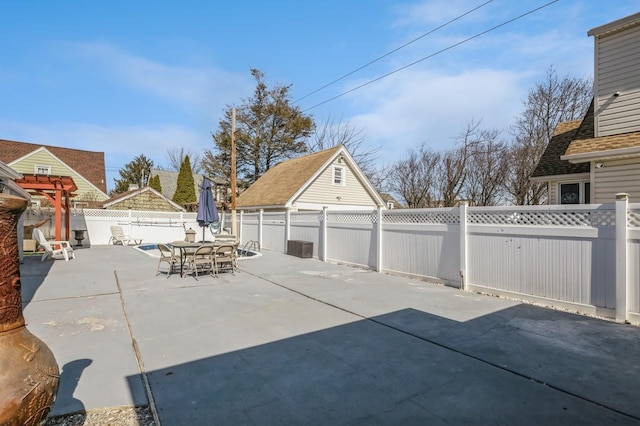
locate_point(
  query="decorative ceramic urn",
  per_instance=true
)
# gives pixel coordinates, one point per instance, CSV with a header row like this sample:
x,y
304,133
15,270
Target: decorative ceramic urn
x,y
29,373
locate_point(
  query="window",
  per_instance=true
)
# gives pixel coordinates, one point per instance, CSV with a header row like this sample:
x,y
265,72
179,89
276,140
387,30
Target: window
x,y
338,175
575,193
42,170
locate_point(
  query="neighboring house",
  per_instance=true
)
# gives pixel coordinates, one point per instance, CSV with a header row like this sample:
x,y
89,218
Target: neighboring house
x,y
328,178
169,183
593,159
390,202
86,168
145,198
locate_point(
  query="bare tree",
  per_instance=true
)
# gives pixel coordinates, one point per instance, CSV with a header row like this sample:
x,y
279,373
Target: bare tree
x,y
452,171
413,177
176,157
487,169
331,133
549,103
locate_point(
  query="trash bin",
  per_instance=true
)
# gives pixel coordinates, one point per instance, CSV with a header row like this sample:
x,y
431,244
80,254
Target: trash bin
x,y
300,248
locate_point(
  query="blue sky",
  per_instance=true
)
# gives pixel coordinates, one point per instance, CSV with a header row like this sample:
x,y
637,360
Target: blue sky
x,y
141,77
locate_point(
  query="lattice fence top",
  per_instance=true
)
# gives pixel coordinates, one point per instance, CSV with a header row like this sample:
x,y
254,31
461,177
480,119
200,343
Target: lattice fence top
x,y
557,216
103,213
352,217
594,218
633,218
420,217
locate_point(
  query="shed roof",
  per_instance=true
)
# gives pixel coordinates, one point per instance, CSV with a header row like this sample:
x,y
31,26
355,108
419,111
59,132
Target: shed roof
x,y
280,183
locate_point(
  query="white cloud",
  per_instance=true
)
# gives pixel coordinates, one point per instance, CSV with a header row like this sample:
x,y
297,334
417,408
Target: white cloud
x,y
191,87
420,106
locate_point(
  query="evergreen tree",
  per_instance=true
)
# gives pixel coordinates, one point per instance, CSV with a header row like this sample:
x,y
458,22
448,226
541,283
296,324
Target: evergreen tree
x,y
136,172
185,188
154,182
269,129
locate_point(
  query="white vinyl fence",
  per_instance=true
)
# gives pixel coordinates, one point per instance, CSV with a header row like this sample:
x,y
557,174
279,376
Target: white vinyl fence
x,y
585,258
581,257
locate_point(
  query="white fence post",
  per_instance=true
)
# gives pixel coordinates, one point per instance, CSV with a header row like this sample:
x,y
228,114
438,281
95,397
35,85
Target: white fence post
x,y
240,226
260,242
287,228
379,240
622,275
464,270
324,233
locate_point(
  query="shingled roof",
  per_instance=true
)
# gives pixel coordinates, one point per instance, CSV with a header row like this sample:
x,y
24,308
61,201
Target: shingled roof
x,y
576,138
89,164
565,133
280,183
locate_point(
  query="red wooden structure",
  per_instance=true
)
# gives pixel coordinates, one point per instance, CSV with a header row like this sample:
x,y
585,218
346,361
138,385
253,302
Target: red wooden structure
x,y
58,190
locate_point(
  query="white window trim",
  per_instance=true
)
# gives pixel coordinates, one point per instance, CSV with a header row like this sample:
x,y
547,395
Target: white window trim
x,y
343,177
38,166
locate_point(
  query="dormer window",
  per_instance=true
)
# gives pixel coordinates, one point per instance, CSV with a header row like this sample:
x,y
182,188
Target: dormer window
x,y
42,170
338,175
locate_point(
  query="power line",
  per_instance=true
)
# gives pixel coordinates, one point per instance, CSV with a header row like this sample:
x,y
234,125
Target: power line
x,y
432,55
393,51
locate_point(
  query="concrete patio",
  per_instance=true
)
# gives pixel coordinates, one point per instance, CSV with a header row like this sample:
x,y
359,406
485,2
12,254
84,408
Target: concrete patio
x,y
298,341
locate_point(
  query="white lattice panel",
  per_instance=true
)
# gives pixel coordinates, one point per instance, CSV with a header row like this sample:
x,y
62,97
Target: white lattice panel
x,y
103,213
370,217
633,219
597,218
444,217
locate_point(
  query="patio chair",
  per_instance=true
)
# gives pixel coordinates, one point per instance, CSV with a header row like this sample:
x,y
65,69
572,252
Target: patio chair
x,y
226,256
201,260
118,237
226,239
169,256
53,249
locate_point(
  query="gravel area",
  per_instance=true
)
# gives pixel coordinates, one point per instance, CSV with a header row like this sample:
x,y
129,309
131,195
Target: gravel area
x,y
116,416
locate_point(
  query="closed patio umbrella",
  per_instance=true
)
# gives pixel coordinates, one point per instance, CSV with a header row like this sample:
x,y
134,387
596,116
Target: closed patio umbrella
x,y
207,211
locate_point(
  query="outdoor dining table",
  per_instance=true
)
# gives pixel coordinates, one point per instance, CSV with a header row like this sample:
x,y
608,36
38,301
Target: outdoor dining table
x,y
184,246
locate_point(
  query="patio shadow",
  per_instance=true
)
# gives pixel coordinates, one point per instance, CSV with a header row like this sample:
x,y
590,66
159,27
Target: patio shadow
x,y
515,366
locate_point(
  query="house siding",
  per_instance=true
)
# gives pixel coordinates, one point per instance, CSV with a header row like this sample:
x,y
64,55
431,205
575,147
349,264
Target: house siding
x,y
615,177
322,190
617,60
43,158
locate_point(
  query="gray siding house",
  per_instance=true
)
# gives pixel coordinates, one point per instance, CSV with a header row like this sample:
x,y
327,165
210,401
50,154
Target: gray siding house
x,y
591,160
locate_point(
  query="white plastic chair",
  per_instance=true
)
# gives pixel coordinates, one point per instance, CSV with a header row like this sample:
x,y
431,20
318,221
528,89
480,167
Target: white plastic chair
x,y
53,249
119,238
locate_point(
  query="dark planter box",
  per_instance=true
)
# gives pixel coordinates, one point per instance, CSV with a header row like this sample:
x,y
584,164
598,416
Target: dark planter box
x,y
300,248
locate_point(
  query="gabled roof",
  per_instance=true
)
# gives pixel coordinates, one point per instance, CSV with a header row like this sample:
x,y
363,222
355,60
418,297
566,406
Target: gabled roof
x,y
135,192
89,164
283,183
550,163
573,146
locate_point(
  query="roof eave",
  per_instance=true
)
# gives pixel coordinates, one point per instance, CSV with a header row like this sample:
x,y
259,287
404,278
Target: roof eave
x,y
566,176
602,155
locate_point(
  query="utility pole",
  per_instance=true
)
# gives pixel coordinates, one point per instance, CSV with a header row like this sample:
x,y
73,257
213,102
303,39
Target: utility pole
x,y
234,224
